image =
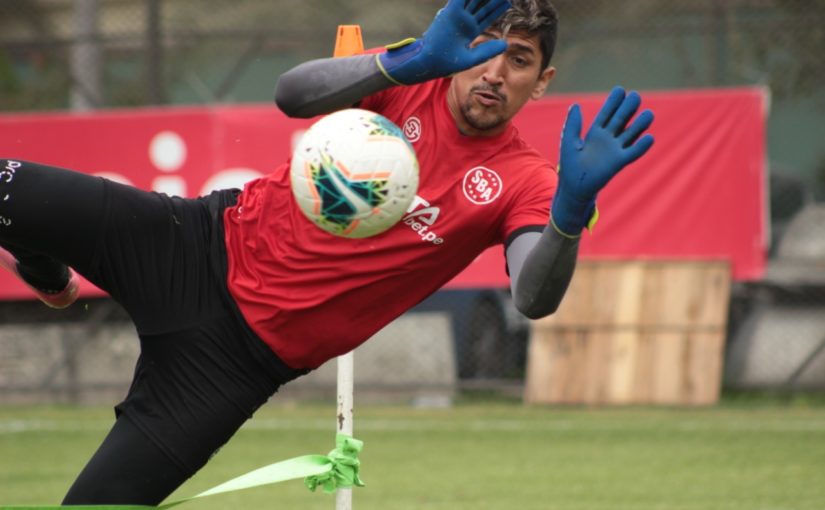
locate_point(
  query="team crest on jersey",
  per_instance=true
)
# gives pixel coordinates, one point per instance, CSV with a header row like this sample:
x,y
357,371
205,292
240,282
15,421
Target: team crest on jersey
x,y
412,129
482,185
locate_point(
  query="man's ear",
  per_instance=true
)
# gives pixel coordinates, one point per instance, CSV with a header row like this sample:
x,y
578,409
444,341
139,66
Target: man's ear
x,y
544,80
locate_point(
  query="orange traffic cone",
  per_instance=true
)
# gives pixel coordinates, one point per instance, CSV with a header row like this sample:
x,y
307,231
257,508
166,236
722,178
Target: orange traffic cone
x,y
348,41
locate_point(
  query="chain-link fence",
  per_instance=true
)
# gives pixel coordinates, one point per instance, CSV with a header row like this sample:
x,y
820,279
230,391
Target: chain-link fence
x,y
111,53
88,54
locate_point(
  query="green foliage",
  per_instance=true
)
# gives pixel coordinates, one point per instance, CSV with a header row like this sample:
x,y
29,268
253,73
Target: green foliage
x,y
9,84
788,43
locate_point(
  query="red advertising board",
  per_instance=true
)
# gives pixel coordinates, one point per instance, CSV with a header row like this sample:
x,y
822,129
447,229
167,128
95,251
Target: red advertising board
x,y
699,193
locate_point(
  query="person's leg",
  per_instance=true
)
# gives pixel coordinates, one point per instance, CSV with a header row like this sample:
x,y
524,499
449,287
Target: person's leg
x,y
192,390
199,377
128,468
49,218
127,241
50,211
136,246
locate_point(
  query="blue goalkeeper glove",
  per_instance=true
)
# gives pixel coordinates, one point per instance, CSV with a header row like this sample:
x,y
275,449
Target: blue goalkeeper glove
x,y
444,48
586,166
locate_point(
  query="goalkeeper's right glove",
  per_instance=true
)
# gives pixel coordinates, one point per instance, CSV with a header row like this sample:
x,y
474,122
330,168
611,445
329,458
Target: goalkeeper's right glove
x,y
444,48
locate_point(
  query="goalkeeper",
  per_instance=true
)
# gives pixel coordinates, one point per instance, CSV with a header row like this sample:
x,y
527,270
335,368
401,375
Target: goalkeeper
x,y
455,91
235,293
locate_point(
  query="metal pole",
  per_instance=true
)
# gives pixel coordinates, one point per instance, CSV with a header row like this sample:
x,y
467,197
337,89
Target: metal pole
x,y
720,22
154,55
85,57
346,375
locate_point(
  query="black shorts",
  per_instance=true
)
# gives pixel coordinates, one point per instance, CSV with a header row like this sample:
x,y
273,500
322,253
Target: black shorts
x,y
202,372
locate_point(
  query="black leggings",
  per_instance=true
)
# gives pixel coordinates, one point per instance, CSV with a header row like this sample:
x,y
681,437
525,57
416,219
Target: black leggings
x,y
201,373
128,468
48,211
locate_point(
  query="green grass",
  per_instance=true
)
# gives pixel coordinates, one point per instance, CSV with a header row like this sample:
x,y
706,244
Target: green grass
x,y
741,455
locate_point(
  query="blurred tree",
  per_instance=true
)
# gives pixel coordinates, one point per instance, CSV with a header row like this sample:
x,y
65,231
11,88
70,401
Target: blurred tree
x,y
785,39
9,83
26,33
29,13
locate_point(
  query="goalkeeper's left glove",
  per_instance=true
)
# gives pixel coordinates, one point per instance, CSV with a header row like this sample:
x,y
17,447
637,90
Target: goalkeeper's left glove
x,y
444,48
586,166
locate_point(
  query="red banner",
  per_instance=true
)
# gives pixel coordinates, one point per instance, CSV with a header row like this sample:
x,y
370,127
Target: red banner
x,y
699,193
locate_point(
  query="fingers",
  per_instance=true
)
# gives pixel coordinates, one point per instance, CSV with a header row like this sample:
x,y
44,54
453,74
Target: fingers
x,y
478,7
638,149
636,129
616,113
627,109
571,132
487,50
491,12
611,104
634,147
472,6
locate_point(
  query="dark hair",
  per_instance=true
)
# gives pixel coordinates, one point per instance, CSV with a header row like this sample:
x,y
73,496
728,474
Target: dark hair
x,y
532,17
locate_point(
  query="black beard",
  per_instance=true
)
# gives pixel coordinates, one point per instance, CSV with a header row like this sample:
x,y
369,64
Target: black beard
x,y
476,121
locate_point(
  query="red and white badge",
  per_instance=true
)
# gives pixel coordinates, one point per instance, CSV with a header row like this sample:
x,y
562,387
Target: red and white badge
x,y
412,129
482,185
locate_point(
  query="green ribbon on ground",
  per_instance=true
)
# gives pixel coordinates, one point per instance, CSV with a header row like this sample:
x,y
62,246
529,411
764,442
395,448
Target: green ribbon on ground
x,y
338,470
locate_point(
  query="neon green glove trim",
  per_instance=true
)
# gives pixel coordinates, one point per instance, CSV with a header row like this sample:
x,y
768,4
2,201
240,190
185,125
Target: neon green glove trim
x,y
390,47
560,232
400,44
594,218
384,71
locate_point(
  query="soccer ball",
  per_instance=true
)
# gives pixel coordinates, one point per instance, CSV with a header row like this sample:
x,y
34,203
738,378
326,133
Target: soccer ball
x,y
354,174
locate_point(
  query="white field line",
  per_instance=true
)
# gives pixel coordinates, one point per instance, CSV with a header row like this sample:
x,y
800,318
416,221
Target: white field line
x,y
513,425
17,426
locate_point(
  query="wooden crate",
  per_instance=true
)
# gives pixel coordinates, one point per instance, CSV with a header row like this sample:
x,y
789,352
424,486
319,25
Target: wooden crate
x,y
633,332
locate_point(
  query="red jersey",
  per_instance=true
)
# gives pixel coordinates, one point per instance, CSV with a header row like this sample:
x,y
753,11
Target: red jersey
x,y
312,296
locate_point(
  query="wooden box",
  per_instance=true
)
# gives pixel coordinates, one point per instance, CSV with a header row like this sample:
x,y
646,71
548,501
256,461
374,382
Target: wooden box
x,y
633,332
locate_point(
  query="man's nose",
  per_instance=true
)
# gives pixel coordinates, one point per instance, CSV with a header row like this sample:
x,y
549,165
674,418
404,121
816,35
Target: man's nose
x,y
495,70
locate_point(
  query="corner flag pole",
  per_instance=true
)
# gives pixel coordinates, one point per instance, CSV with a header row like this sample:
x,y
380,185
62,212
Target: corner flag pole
x,y
348,42
343,497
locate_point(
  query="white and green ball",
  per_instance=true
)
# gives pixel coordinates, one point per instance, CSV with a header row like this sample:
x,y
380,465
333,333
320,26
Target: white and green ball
x,y
354,174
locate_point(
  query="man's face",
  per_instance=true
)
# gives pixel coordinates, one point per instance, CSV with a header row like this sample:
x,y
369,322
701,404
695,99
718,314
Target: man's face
x,y
483,98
